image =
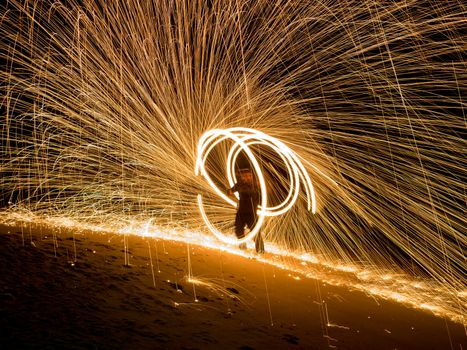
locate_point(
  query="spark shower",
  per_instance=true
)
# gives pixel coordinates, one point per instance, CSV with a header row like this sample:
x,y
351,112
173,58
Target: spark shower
x,y
103,103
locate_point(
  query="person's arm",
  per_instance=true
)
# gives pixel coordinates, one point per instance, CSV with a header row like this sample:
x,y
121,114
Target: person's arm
x,y
232,190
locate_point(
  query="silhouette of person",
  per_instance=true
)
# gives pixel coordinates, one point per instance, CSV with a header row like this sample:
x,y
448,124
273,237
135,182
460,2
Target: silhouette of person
x,y
249,196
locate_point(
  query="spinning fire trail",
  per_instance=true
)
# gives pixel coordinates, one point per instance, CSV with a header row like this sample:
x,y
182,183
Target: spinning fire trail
x,y
103,103
244,137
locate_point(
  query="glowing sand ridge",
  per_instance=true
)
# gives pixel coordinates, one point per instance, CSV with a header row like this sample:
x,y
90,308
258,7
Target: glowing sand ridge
x,y
244,137
421,294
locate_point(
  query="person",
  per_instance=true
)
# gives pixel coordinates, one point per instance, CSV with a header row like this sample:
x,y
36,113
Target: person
x,y
246,215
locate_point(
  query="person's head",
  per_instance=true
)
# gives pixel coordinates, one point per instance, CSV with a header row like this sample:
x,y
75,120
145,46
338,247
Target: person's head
x,y
246,175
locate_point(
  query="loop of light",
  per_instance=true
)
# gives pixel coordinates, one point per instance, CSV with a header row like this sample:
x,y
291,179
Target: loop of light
x,y
243,138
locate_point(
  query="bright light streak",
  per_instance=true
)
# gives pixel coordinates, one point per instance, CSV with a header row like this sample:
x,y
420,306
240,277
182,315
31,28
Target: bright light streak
x,y
243,138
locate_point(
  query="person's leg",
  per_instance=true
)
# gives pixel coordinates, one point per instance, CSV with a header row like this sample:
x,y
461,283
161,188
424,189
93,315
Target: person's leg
x,y
259,243
240,228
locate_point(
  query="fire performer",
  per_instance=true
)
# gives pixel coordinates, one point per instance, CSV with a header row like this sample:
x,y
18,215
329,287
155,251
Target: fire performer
x,y
249,196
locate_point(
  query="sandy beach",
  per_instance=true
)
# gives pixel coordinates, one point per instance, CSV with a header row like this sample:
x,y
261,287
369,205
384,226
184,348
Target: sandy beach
x,y
63,290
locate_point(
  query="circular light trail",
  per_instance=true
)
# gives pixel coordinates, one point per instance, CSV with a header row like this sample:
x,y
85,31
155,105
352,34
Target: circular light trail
x,y
242,139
